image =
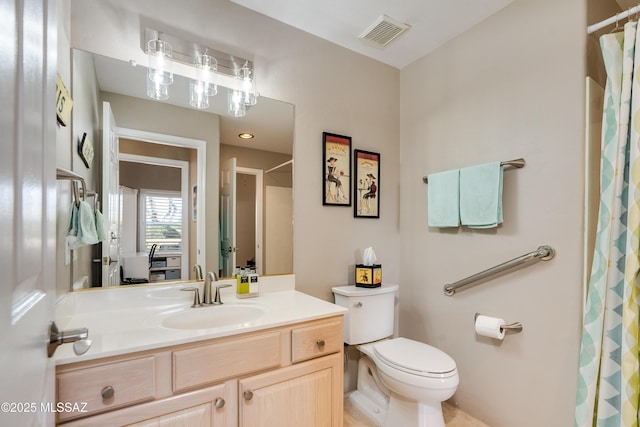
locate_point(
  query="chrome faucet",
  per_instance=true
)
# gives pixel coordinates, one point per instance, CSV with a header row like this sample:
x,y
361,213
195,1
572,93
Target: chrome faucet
x,y
198,270
211,277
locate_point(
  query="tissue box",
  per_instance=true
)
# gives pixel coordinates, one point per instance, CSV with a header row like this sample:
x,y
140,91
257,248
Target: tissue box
x,y
368,276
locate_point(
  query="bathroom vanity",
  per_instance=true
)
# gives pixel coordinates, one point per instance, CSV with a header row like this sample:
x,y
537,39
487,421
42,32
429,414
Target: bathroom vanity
x,y
274,360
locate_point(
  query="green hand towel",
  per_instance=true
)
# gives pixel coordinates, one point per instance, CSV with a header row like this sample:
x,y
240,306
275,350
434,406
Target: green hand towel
x,y
481,195
100,229
443,199
87,233
72,227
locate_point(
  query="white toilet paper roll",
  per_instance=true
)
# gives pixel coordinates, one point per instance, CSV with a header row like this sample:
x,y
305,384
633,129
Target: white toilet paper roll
x,y
488,326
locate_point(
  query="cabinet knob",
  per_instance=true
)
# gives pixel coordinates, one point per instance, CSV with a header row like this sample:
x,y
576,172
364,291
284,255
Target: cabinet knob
x,y
320,343
107,392
248,395
219,403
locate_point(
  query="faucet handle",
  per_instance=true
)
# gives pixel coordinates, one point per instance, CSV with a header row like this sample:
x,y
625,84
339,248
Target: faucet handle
x,y
217,299
196,296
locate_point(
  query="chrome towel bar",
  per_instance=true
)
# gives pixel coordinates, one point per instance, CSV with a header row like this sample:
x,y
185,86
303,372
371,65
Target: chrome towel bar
x,y
507,164
543,253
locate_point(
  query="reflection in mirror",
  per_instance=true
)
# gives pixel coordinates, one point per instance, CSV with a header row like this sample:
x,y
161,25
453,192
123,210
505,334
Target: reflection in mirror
x,y
159,179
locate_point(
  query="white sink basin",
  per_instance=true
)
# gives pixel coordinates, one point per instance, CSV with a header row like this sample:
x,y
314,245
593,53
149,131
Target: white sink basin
x,y
213,317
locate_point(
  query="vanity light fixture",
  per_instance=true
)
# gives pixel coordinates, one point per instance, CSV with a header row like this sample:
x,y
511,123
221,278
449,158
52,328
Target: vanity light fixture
x,y
156,90
205,67
204,86
237,107
160,64
249,91
246,135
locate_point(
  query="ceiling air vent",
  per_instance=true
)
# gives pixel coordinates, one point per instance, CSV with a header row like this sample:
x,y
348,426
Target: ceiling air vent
x,y
384,30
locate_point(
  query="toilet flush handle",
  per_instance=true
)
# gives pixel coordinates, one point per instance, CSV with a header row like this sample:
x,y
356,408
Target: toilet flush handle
x,y
357,305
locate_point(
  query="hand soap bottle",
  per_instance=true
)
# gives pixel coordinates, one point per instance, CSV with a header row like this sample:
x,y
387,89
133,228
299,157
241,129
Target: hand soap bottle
x,y
242,283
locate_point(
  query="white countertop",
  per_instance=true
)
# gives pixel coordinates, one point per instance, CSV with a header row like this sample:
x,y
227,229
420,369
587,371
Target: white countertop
x,y
125,320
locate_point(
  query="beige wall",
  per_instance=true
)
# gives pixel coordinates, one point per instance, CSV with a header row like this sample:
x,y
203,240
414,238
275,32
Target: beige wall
x,y
333,90
511,87
260,159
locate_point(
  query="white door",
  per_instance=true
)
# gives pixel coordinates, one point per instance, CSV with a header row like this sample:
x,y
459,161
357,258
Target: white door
x,y
27,209
228,217
110,199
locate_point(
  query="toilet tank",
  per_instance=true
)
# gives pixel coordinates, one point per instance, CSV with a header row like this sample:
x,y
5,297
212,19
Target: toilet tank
x,y
371,312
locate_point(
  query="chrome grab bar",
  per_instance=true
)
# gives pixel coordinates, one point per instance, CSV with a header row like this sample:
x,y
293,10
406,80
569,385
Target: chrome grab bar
x,y
543,253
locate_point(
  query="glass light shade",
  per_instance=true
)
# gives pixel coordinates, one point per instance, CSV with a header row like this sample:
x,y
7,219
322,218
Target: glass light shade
x,y
198,94
206,67
249,88
160,63
237,108
156,90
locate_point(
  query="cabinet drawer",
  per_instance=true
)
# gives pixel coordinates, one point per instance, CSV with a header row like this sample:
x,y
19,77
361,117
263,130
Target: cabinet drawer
x,y
171,274
132,382
316,340
215,362
173,261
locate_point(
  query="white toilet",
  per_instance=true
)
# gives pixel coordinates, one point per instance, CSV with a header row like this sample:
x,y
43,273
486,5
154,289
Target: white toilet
x,y
413,377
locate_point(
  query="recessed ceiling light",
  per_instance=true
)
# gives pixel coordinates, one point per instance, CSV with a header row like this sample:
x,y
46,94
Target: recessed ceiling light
x,y
246,135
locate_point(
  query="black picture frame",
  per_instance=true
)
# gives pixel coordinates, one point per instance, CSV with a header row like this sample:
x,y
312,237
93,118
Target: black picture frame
x,y
336,169
366,184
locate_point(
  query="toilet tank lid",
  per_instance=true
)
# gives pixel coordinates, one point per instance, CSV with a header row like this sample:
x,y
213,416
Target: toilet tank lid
x,y
355,291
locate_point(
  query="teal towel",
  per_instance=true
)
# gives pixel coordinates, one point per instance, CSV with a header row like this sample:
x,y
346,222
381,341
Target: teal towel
x,y
444,199
481,195
100,230
87,233
72,227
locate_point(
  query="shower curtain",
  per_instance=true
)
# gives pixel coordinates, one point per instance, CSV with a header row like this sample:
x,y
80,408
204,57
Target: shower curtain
x,y
608,383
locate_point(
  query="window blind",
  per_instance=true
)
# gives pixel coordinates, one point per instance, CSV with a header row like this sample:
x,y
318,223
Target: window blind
x,y
163,221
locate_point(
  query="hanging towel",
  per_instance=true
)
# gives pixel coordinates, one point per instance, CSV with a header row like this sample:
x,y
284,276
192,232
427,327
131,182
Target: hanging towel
x,y
444,199
72,227
481,195
87,233
100,230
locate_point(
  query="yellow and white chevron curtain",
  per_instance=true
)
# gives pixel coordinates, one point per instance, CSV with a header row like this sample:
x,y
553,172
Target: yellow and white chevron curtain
x,y
608,379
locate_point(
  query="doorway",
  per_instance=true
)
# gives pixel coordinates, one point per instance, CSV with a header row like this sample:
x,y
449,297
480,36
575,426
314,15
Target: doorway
x,y
249,207
154,194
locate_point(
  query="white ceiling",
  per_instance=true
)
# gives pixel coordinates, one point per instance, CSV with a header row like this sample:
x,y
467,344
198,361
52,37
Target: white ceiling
x,y
433,22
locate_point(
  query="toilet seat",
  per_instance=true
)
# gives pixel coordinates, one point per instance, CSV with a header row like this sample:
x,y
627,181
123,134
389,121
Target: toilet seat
x,y
415,358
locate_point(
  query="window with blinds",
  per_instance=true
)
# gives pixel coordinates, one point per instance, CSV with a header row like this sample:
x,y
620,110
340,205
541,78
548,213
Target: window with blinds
x,y
161,220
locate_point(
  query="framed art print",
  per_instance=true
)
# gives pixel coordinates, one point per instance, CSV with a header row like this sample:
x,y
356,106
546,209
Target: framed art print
x,y
336,161
367,184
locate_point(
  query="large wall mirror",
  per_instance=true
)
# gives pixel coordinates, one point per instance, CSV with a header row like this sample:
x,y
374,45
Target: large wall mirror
x,y
190,190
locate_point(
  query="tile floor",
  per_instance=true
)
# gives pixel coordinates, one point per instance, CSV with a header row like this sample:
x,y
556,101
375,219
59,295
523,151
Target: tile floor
x,y
453,417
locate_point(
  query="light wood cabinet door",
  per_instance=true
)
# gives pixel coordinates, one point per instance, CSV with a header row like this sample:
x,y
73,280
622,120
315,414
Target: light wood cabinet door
x,y
306,394
198,416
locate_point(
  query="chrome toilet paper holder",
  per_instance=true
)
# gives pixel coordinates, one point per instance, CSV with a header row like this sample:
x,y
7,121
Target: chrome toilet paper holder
x,y
513,328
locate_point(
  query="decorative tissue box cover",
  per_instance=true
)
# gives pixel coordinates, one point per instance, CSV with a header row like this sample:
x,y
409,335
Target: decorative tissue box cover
x,y
368,276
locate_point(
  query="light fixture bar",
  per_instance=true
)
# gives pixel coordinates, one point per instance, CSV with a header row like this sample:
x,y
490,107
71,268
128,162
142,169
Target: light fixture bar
x,y
185,52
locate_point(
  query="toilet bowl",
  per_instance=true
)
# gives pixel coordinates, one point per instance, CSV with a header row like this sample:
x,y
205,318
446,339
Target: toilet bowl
x,y
371,396
416,376
420,377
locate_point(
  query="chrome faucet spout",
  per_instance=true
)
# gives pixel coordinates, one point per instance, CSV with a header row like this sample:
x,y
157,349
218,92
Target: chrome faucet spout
x,y
211,277
198,270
